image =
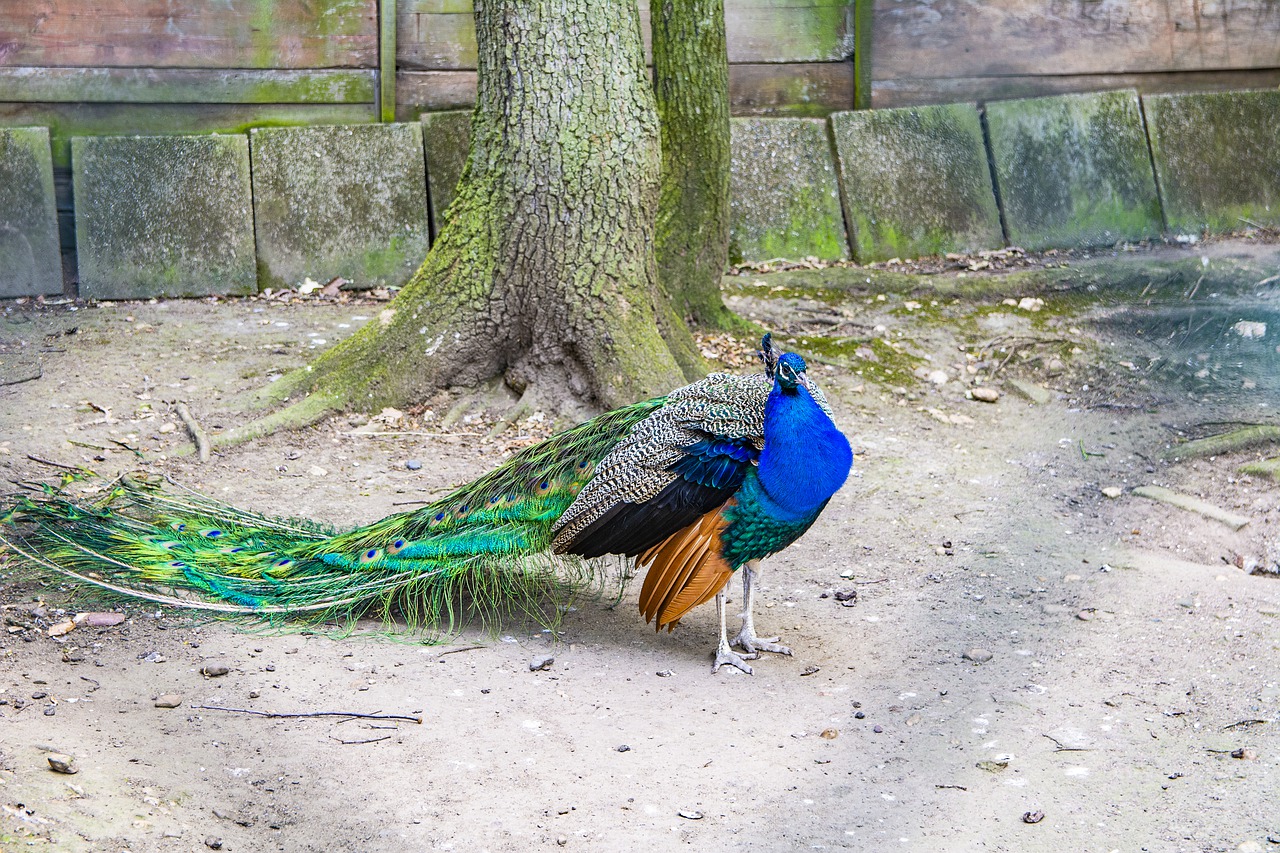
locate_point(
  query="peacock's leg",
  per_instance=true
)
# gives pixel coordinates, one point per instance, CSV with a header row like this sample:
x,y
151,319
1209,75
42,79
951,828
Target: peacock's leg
x,y
724,654
747,638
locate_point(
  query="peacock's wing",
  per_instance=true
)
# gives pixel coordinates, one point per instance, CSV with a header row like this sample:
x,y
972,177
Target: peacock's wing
x,y
681,462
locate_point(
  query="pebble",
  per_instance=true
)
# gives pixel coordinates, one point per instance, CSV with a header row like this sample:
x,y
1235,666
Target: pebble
x,y
213,842
317,471
984,394
214,670
1113,491
690,814
938,377
541,662
1244,752
666,673
50,710
829,734
167,428
561,840
977,655
61,763
878,729
1249,847
168,700
99,620
624,748
1085,615
413,465
1032,817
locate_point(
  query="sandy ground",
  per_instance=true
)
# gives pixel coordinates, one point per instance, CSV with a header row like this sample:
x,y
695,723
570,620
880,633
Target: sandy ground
x,y
1118,660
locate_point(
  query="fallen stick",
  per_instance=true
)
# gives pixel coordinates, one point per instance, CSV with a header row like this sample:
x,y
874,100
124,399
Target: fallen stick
x,y
1227,442
197,433
279,716
1187,502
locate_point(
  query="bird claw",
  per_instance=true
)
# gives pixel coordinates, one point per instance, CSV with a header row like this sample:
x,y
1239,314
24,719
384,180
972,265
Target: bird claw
x,y
755,645
726,655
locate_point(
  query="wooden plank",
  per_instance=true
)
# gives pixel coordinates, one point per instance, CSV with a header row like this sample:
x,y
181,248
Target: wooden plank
x,y
796,90
190,33
440,34
918,91
387,60
67,120
863,73
185,86
977,38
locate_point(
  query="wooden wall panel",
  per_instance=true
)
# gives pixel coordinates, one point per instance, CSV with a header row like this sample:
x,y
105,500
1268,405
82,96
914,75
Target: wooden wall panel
x,y
189,33
919,44
439,35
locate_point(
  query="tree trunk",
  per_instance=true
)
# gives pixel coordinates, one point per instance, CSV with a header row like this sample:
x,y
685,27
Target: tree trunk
x,y
691,81
544,271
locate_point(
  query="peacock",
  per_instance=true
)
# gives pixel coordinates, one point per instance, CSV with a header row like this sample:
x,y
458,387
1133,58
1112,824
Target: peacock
x,y
695,486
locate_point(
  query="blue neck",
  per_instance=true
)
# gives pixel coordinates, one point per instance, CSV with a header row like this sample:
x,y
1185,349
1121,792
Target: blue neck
x,y
805,458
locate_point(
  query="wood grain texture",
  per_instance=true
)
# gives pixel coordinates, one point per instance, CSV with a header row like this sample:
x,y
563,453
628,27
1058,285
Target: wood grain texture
x,y
805,89
185,86
975,38
190,33
918,91
440,34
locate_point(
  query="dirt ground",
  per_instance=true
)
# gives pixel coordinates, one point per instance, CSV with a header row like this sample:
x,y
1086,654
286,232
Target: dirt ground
x,y
990,653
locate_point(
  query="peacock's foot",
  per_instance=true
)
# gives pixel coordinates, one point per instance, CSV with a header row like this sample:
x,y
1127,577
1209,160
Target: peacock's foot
x,y
726,655
755,645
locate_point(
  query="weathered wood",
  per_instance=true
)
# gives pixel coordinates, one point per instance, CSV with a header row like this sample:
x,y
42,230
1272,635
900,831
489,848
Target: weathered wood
x,y
440,34
863,21
795,90
387,25
67,120
1246,438
186,86
916,91
190,33
976,38
1192,504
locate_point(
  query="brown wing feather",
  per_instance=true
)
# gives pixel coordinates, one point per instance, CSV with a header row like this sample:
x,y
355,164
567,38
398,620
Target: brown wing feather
x,y
685,570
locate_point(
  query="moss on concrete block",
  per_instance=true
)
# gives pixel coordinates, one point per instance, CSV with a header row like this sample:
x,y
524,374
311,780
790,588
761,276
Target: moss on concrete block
x,y
1073,170
784,196
1217,157
916,182
446,136
347,200
30,260
163,216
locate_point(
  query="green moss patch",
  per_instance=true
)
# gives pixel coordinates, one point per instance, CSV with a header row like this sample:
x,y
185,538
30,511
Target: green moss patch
x,y
1073,170
163,216
30,259
916,182
347,201
1217,159
784,197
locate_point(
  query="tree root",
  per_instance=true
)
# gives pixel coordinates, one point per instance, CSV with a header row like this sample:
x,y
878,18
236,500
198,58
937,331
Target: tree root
x,y
1227,442
305,412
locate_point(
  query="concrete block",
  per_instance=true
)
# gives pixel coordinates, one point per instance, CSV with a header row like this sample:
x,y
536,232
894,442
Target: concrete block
x,y
1073,170
30,260
446,136
1217,158
784,196
163,216
916,182
346,200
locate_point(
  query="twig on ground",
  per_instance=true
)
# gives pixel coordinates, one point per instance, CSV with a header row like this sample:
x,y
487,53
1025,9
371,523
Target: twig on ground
x,y
366,740
277,716
457,651
198,434
58,465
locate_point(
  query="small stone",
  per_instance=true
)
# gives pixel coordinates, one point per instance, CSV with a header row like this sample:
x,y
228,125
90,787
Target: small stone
x,y
254,694
168,700
1245,753
39,694
829,734
938,377
64,627
166,428
624,748
541,662
413,465
984,394
690,814
1112,491
808,670
1250,846
61,763
1085,615
1032,817
50,710
214,670
993,766
878,729
666,673
561,840
978,655
213,842
39,678
99,620
317,471
859,715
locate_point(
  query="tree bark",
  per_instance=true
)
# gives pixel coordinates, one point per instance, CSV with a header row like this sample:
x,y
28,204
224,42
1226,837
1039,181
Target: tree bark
x,y
544,272
691,82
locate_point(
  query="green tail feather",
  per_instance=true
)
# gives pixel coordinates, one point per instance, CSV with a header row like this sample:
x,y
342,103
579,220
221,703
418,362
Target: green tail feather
x,y
487,540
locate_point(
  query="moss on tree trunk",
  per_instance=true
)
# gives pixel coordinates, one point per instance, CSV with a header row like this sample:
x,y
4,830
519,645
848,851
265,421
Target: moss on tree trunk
x,y
691,82
544,272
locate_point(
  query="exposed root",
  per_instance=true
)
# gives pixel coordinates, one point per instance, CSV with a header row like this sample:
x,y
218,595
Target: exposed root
x,y
306,412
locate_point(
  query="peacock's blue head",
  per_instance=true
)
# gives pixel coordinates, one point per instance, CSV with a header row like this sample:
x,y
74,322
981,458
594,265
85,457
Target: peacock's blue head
x,y
790,372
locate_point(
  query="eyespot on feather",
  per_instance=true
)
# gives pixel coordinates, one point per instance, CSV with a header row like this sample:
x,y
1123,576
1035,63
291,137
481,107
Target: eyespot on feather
x,y
397,546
